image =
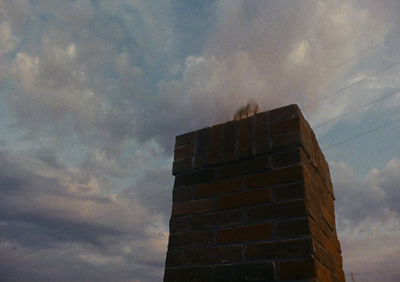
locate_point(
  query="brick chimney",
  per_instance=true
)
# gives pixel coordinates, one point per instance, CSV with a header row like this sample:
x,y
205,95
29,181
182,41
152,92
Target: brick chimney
x,y
253,201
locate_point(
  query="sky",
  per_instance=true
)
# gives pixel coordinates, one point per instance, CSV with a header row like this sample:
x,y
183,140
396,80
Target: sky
x,y
93,93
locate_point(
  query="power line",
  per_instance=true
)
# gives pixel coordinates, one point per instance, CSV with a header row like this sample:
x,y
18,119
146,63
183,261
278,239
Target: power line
x,y
362,134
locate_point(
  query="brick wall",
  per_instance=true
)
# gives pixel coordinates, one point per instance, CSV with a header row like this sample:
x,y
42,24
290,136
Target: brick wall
x,y
253,201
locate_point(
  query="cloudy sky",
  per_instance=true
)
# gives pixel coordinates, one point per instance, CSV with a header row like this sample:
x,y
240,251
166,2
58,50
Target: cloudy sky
x,y
93,93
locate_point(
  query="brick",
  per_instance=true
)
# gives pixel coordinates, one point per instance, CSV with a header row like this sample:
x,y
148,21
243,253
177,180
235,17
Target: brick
x,y
323,256
245,138
182,165
278,142
195,177
215,144
190,239
293,227
285,126
178,224
192,273
230,141
245,233
201,155
202,221
323,273
278,210
288,191
230,217
329,242
243,167
225,254
279,249
184,152
243,199
296,269
185,139
183,193
216,188
289,157
283,113
174,258
261,134
257,271
278,176
192,207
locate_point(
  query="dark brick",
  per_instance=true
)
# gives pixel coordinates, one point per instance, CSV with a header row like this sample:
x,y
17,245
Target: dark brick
x,y
184,152
190,239
261,134
285,126
202,221
245,138
215,144
279,210
192,207
174,258
296,269
185,139
278,176
230,141
183,193
178,224
288,140
288,191
195,177
279,249
201,155
244,198
181,166
243,167
257,271
245,233
290,228
225,254
216,188
192,273
228,217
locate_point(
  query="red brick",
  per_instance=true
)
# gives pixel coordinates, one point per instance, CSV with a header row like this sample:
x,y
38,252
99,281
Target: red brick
x,y
293,227
279,249
224,254
185,139
288,140
285,126
245,233
278,176
215,144
289,157
245,138
323,274
192,273
190,239
296,269
230,217
279,210
261,134
244,199
230,141
191,207
255,271
202,221
184,152
243,167
201,155
216,188
288,191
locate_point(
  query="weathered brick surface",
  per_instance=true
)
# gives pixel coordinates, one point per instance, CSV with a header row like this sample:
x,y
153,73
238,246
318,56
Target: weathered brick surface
x,y
253,201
